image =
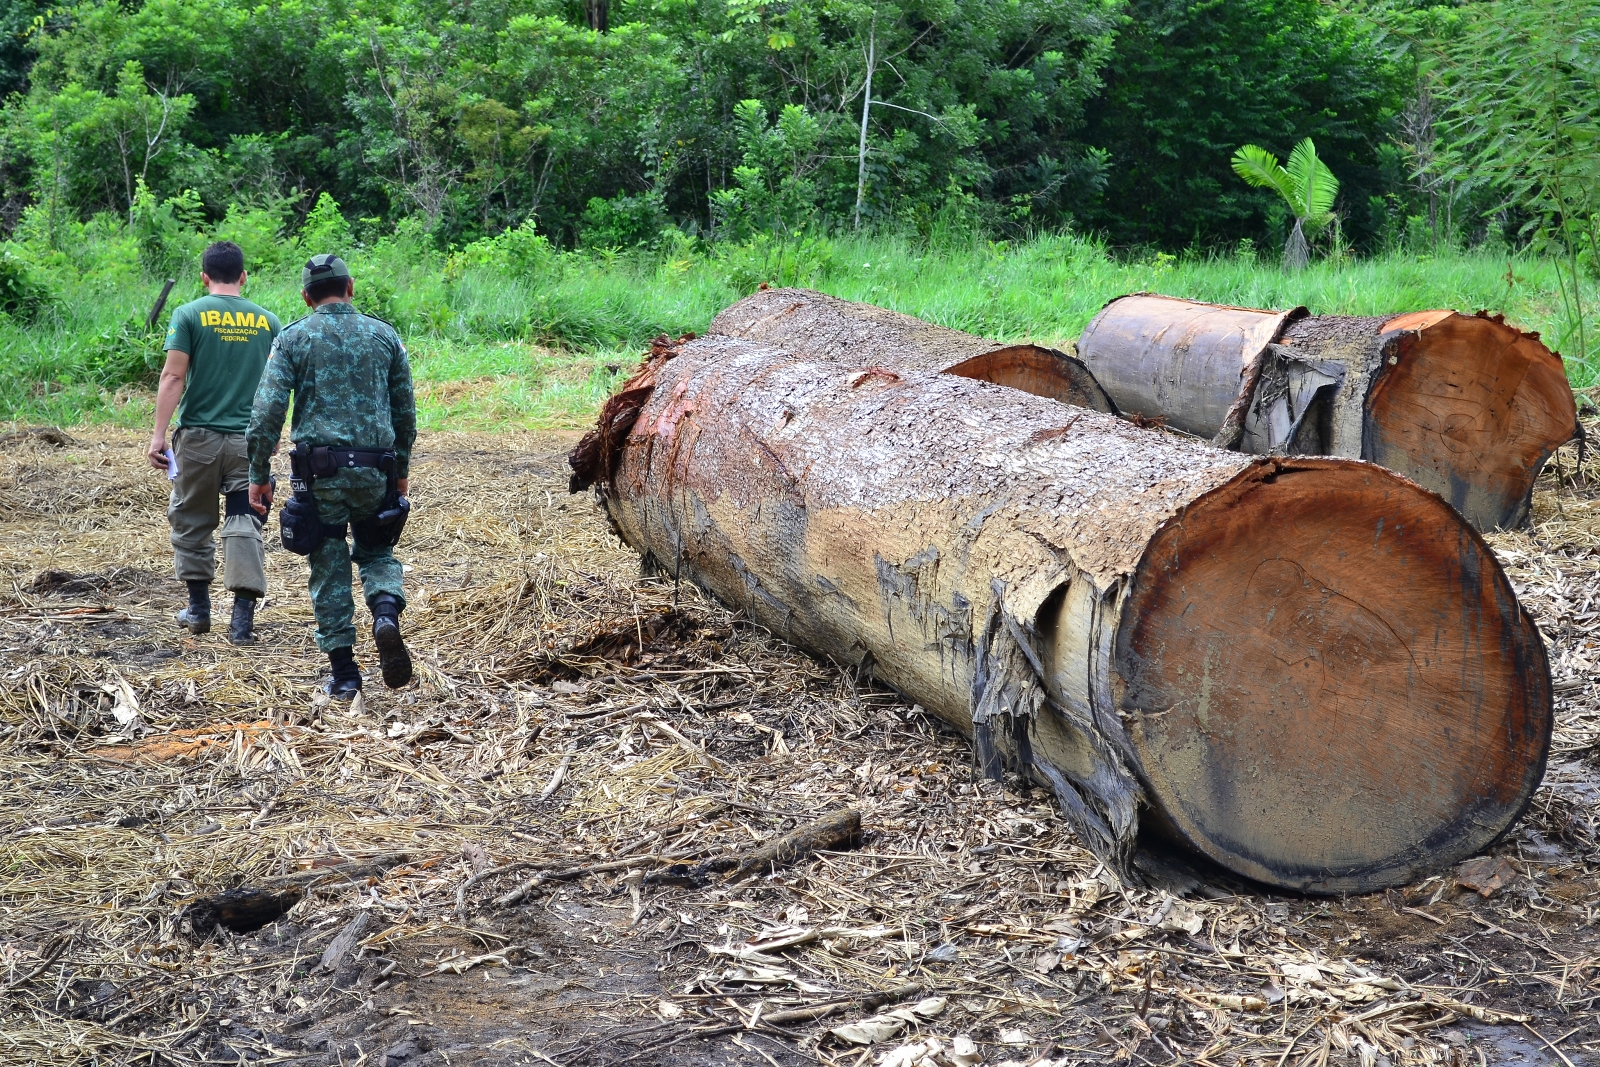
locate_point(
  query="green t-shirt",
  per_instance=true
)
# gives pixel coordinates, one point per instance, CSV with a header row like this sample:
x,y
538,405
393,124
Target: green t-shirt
x,y
228,339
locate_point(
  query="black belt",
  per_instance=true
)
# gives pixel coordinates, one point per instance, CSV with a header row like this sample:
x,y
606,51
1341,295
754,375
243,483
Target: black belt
x,y
320,461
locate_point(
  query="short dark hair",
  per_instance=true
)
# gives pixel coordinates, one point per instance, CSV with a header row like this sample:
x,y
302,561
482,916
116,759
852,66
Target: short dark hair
x,y
223,262
320,291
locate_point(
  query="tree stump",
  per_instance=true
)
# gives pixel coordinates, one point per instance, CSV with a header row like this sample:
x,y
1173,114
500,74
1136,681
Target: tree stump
x,y
1308,669
1464,405
825,327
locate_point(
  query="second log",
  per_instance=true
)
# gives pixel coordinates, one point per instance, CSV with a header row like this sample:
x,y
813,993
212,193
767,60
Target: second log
x,y
825,327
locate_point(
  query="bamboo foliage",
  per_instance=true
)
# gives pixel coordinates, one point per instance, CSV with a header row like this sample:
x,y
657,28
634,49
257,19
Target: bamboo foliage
x,y
1521,88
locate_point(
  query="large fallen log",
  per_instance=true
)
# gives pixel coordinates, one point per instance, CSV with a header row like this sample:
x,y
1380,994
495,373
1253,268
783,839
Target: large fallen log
x,y
1308,669
1464,405
825,327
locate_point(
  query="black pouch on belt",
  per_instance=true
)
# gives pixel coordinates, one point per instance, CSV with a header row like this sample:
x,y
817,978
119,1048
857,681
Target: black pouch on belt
x,y
383,529
299,525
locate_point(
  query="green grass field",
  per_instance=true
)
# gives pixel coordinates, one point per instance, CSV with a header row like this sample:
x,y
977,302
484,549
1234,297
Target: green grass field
x,y
538,344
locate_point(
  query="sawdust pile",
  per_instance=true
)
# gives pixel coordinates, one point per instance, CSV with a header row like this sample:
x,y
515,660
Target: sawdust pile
x,y
202,862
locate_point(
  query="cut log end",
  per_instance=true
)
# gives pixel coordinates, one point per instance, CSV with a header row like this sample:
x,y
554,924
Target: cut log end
x,y
1040,371
1328,681
1470,408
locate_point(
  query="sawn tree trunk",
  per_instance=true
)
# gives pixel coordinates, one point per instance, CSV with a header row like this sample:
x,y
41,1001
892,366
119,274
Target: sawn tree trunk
x,y
825,327
1464,405
1308,669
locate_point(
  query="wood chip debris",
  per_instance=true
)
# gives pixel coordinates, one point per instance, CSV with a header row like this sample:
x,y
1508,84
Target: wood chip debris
x,y
537,740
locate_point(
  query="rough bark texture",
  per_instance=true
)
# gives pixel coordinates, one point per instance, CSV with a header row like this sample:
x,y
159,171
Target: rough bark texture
x,y
837,830
825,327
1310,670
1464,405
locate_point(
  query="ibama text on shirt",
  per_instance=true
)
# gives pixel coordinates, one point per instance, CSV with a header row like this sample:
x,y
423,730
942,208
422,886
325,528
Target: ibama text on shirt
x,y
228,326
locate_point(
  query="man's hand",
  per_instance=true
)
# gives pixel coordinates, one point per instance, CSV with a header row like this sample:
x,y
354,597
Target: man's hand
x,y
260,497
404,484
156,453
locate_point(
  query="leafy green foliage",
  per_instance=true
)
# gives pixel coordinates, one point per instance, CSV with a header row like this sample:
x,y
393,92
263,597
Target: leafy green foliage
x,y
623,221
23,295
1306,185
1313,183
1261,168
125,354
325,230
475,119
775,190
258,231
1521,86
17,19
725,119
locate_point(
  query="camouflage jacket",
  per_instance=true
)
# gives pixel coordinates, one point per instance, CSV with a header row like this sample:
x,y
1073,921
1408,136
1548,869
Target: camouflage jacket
x,y
351,383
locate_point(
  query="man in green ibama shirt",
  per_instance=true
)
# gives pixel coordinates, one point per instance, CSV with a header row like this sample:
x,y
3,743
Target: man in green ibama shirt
x,y
217,347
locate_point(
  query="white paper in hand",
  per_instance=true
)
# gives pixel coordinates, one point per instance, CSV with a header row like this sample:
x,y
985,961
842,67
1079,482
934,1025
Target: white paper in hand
x,y
172,465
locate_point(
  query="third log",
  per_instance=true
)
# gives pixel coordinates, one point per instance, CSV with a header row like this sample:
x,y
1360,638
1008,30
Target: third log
x,y
1465,405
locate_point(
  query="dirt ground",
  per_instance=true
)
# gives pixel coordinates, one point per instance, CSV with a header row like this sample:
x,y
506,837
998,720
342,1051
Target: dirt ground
x,y
201,861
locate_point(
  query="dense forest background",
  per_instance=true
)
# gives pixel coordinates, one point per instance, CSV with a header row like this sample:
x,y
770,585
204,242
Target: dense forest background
x,y
584,173
608,120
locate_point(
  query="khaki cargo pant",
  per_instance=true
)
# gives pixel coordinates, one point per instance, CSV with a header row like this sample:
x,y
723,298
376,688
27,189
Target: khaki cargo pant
x,y
212,465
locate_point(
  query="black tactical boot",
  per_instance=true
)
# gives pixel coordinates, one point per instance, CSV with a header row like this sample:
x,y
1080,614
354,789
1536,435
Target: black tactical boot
x,y
392,654
196,618
242,628
346,680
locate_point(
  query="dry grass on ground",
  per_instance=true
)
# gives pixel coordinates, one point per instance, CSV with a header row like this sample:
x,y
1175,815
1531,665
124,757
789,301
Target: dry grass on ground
x,y
569,715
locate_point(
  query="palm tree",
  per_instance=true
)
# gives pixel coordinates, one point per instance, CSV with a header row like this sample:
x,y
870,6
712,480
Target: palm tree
x,y
1306,184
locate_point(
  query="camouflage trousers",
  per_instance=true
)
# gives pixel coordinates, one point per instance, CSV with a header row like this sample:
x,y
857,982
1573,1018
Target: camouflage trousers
x,y
332,600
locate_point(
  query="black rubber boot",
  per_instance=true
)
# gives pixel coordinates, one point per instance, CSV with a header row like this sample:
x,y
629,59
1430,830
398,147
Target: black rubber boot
x,y
242,627
393,658
346,680
196,618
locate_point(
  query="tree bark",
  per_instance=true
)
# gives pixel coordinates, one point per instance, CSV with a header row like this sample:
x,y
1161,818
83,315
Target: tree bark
x,y
1310,670
825,327
1464,405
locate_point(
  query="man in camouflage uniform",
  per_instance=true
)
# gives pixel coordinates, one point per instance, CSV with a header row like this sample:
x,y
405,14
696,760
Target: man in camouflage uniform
x,y
351,384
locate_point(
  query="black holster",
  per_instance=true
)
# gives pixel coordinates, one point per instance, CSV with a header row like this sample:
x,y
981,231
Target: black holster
x,y
383,529
299,525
